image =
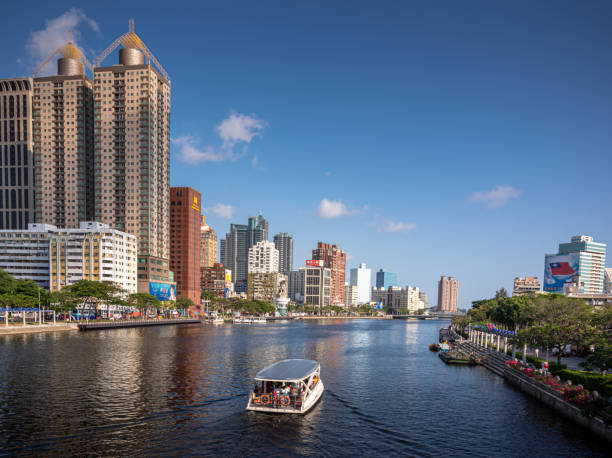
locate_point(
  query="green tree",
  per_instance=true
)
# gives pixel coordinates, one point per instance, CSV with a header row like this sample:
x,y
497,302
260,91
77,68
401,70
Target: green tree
x,y
559,321
501,294
144,302
184,303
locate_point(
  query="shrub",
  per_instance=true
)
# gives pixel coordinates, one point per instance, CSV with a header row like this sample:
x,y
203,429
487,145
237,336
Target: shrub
x,y
590,380
553,367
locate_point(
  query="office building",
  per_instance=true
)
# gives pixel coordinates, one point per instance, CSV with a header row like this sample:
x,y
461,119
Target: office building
x,y
63,139
385,279
351,296
361,277
208,244
527,285
581,256
317,283
266,286
284,244
424,299
399,301
16,157
185,225
263,257
336,261
608,280
93,252
213,279
297,282
24,253
55,258
447,294
234,249
132,154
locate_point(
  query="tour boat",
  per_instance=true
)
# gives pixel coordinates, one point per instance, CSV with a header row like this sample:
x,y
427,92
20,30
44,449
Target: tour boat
x,y
288,386
259,320
218,320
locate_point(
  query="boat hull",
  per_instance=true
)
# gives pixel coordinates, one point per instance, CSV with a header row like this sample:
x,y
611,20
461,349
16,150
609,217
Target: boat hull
x,y
308,405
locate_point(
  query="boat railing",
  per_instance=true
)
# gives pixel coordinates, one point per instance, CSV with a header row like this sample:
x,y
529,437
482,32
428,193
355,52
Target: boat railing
x,y
278,400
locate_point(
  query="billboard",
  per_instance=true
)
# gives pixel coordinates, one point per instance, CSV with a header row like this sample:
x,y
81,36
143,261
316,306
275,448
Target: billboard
x,y
162,291
314,262
559,269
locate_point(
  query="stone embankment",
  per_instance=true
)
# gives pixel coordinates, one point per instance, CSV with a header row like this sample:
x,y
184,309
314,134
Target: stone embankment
x,y
36,328
94,326
495,362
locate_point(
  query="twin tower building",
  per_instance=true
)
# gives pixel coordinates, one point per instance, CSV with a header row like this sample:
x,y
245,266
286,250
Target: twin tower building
x,y
75,148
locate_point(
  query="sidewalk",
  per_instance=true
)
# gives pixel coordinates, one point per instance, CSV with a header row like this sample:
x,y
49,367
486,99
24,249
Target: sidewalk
x,y
36,328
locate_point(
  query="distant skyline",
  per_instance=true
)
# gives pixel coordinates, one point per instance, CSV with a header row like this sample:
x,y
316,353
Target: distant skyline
x,y
448,138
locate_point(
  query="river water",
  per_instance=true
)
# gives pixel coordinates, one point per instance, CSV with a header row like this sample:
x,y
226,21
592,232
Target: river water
x,y
177,390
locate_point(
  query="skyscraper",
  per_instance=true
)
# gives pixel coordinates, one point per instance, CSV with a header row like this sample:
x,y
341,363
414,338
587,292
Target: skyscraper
x,y
16,159
336,260
258,229
208,244
361,277
284,245
447,294
235,254
132,153
235,248
582,257
385,279
185,219
63,131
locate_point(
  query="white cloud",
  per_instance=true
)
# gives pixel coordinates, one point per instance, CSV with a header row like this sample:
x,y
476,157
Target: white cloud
x,y
397,226
329,209
497,197
327,174
239,128
42,43
191,153
222,211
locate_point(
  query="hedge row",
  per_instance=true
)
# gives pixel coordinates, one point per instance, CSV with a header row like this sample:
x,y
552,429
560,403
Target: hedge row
x,y
589,380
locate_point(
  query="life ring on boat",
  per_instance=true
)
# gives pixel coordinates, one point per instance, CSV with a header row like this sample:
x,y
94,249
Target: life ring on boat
x,y
285,401
265,399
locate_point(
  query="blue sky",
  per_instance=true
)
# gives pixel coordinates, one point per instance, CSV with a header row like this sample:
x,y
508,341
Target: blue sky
x,y
426,138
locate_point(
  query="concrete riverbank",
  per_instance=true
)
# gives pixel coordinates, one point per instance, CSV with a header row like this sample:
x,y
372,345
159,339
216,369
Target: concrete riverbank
x,y
37,328
495,362
94,326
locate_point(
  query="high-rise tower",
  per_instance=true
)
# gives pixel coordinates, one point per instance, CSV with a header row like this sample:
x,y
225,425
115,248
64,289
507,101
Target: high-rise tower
x,y
208,244
132,153
336,260
447,294
284,244
16,161
63,141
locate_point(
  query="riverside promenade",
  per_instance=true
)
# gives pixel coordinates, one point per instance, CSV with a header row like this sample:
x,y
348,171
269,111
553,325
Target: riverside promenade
x,y
492,350
94,326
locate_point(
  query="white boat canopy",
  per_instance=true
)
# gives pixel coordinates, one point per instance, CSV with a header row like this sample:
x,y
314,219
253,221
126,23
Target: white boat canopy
x,y
288,370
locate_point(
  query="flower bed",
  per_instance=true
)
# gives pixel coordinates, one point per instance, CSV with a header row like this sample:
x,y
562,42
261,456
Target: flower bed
x,y
574,394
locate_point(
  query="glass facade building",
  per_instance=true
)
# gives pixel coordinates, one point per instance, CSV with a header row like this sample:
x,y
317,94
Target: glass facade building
x,y
385,279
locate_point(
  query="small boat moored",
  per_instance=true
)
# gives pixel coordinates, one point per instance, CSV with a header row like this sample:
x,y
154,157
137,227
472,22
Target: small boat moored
x,y
288,386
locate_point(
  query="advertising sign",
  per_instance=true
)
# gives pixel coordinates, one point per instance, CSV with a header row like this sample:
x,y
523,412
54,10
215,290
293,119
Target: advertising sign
x,y
559,269
314,262
162,291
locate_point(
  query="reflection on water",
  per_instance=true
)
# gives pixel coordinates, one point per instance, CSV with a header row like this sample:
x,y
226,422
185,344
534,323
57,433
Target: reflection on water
x,y
183,389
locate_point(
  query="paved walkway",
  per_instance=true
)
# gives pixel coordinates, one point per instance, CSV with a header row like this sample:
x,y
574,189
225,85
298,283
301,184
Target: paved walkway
x,y
35,328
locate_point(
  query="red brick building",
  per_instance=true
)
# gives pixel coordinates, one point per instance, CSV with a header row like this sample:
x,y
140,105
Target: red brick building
x,y
213,279
336,260
185,218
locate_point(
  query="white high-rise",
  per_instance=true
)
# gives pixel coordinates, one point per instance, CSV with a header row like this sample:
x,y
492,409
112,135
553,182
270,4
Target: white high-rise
x,y
263,258
361,277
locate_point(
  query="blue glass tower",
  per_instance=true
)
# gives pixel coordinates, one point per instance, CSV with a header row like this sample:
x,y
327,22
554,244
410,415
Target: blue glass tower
x,y
385,279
